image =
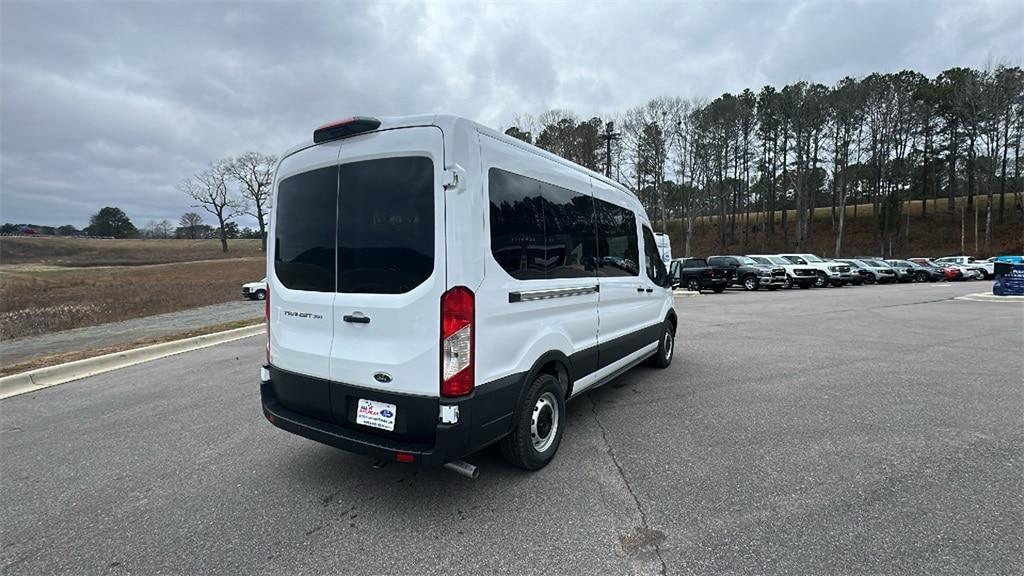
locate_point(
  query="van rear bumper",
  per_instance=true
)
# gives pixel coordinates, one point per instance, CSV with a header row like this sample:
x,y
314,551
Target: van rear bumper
x,y
474,430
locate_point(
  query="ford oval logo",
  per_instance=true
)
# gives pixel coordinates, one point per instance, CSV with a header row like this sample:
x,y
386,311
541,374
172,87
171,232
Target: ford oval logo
x,y
387,413
382,377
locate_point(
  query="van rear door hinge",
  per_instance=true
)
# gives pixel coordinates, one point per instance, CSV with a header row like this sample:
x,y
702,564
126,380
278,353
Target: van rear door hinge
x,y
452,177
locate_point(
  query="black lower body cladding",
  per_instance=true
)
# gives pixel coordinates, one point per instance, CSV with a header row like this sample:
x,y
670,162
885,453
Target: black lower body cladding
x,y
325,411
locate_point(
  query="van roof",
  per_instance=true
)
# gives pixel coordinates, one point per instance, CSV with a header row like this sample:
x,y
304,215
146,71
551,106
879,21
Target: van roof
x,y
450,123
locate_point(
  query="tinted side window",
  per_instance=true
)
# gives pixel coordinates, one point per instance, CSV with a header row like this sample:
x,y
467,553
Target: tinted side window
x,y
517,224
385,225
717,261
695,263
304,230
616,240
652,259
570,233
539,230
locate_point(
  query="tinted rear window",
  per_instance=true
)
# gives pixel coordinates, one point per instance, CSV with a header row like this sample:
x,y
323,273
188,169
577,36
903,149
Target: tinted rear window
x,y
304,230
375,237
385,225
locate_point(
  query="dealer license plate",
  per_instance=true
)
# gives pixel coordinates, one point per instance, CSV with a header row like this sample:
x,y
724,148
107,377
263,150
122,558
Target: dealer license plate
x,y
376,414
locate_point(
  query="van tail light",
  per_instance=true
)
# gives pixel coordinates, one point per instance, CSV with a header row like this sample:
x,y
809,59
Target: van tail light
x,y
266,312
457,313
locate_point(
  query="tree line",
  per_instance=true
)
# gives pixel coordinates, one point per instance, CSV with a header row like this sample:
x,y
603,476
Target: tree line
x,y
760,163
226,189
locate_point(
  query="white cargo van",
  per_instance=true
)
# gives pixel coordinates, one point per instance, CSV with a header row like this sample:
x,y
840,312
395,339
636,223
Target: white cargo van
x,y
435,286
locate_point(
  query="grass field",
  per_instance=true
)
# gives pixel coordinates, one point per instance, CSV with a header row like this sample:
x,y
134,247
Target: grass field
x,y
52,284
81,252
931,236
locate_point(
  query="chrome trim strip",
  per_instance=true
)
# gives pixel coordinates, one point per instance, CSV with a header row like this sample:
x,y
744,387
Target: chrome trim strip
x,y
547,294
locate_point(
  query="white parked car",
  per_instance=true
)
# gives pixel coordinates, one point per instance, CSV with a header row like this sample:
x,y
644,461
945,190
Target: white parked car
x,y
979,269
436,286
829,273
255,290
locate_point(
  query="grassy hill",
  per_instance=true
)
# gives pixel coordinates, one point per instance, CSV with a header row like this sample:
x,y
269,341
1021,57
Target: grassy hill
x,y
932,235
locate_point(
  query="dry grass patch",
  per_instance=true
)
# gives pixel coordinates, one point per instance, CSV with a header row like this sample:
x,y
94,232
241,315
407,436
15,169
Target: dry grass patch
x,y
38,300
93,252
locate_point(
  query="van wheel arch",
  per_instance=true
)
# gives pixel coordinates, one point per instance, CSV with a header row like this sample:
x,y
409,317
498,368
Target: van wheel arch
x,y
671,317
555,363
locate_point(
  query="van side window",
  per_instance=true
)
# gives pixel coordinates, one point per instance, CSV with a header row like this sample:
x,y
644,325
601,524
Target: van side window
x,y
571,246
617,245
539,230
304,230
653,265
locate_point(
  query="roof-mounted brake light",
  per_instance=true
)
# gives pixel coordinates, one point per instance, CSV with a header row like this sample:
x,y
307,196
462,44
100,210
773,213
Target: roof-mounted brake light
x,y
344,128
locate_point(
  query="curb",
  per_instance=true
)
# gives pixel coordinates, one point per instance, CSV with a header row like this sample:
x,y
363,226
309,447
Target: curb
x,y
990,297
684,294
40,378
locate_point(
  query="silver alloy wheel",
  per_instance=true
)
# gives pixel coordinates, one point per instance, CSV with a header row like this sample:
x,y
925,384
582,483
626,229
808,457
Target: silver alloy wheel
x,y
667,344
750,283
544,422
822,280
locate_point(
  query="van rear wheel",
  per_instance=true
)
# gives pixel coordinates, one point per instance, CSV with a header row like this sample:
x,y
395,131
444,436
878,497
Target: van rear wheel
x,y
537,429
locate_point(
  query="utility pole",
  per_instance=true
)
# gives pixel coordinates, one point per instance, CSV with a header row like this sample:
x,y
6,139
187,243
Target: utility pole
x,y
608,135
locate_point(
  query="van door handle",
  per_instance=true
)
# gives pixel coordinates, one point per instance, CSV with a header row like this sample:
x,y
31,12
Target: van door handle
x,y
356,319
649,290
639,289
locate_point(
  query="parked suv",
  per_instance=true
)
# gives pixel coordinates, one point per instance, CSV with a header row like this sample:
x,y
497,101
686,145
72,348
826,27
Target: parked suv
x,y
905,271
696,275
829,273
434,286
881,273
802,276
749,274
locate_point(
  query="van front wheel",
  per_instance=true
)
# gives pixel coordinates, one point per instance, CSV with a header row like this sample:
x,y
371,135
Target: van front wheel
x,y
666,347
537,430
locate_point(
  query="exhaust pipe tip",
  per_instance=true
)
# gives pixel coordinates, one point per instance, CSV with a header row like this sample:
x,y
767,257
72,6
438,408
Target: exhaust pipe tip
x,y
464,468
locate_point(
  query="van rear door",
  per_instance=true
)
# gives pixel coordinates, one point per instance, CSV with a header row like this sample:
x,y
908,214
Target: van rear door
x,y
390,263
300,276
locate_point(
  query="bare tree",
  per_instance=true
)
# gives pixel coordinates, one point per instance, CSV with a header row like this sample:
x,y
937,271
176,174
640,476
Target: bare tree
x,y
191,222
209,188
254,173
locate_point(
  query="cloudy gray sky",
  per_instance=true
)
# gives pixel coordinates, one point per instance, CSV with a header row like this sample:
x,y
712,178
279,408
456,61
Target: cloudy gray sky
x,y
113,104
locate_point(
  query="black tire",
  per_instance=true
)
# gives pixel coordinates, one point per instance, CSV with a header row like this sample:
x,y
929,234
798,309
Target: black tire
x,y
260,295
719,289
921,277
693,285
750,283
544,403
666,347
870,279
822,281
788,284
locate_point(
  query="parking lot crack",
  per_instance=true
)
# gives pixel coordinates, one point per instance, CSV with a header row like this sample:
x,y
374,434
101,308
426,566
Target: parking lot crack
x,y
643,536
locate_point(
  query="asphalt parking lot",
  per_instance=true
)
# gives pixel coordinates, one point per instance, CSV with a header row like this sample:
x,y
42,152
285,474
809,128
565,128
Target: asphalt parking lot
x,y
859,430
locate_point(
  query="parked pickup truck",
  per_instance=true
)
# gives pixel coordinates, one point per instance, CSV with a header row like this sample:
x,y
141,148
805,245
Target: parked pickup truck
x,y
749,274
696,275
802,276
